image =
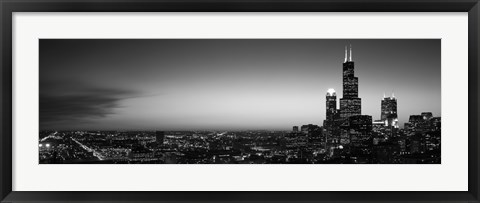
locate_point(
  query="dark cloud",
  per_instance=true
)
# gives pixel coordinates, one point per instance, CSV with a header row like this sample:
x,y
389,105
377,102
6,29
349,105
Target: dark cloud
x,y
76,102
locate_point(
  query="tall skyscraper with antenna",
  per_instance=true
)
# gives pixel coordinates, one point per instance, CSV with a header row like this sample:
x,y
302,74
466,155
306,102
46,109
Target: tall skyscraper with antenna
x,y
350,104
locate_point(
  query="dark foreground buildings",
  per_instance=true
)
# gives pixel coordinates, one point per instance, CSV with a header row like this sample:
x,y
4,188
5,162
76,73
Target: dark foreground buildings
x,y
354,138
346,137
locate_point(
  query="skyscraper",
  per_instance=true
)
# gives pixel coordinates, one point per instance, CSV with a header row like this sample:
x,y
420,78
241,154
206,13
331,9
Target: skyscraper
x,y
360,128
389,111
333,120
350,104
361,123
331,104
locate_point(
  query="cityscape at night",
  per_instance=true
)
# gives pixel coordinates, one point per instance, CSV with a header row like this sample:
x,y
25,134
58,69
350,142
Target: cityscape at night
x,y
348,129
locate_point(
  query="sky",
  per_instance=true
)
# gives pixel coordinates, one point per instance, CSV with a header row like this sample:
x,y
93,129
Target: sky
x,y
226,84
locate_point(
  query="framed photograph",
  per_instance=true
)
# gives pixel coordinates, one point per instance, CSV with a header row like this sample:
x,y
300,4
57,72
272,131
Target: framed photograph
x,y
258,101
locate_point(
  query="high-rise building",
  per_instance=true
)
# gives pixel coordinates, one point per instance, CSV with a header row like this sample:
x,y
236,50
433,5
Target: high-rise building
x,y
423,122
331,104
361,123
360,128
309,128
160,137
350,107
295,128
350,104
331,123
415,119
389,111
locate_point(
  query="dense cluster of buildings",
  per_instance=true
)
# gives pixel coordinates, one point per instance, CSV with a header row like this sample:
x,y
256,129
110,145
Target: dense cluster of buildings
x,y
363,140
346,137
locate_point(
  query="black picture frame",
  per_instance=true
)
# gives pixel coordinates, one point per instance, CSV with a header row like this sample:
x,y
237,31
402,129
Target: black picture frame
x,y
10,6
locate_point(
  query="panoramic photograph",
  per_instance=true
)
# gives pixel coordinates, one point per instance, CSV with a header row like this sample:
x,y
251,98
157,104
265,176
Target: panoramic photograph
x,y
239,101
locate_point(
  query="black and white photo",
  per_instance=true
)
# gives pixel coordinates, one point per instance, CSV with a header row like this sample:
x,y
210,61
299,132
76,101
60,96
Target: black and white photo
x,y
240,101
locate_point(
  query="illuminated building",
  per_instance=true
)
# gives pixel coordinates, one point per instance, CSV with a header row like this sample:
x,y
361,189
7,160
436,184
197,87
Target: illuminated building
x,y
361,123
378,122
350,104
426,115
141,154
331,104
415,120
309,128
422,123
332,121
389,111
360,128
350,107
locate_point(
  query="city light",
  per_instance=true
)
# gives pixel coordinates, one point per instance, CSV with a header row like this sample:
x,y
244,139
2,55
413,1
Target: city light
x,y
346,136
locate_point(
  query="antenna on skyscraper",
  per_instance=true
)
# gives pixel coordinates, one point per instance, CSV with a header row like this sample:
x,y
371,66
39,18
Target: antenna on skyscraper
x,y
345,53
350,52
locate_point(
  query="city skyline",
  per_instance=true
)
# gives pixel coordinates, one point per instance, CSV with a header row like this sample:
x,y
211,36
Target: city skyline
x,y
227,84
